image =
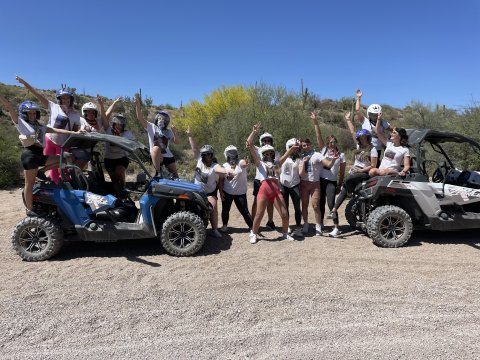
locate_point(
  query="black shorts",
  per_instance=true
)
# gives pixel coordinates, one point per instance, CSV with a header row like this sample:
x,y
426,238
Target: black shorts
x,y
213,193
111,164
167,161
32,157
256,186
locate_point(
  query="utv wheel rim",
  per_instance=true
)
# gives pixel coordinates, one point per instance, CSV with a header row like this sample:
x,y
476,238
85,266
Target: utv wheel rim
x,y
182,235
392,228
33,239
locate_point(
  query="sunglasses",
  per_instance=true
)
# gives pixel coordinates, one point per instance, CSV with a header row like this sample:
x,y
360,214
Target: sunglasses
x,y
267,140
332,142
207,154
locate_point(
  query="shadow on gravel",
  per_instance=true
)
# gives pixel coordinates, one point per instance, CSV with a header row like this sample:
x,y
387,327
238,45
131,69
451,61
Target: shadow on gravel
x,y
467,237
129,249
214,245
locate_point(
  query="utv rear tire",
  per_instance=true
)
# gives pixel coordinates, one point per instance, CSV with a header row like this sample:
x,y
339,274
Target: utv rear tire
x,y
352,212
389,226
37,239
183,234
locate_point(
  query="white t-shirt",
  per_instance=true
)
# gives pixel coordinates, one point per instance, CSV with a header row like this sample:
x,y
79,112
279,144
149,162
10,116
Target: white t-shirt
x,y
60,120
268,172
313,167
393,156
84,125
160,138
367,125
115,152
363,159
206,176
238,184
37,132
332,173
258,176
289,176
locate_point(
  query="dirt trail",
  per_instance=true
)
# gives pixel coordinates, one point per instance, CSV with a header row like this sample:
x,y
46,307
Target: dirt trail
x,y
315,298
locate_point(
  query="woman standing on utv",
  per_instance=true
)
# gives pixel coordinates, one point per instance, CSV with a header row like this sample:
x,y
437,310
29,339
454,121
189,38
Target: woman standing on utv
x,y
374,113
32,136
159,137
364,159
234,189
396,153
62,116
207,174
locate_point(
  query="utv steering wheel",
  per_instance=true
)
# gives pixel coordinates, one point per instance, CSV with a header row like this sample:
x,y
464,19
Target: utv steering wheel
x,y
77,172
439,173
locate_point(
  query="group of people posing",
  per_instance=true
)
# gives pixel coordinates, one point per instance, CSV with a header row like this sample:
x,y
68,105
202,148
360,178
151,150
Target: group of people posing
x,y
303,173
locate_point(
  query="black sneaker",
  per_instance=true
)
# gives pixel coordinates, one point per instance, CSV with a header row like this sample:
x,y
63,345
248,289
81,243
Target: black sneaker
x,y
271,225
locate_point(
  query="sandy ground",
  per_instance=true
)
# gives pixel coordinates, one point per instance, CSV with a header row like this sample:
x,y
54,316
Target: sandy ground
x,y
315,298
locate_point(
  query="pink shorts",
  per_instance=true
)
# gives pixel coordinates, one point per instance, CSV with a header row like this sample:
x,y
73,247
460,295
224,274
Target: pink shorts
x,y
310,189
269,190
52,149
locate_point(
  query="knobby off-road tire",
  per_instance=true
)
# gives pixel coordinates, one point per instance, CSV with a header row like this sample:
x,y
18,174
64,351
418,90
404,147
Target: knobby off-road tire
x,y
37,239
351,212
389,226
183,234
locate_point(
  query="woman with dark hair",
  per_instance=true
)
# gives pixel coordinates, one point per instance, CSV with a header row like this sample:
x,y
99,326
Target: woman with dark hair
x,y
396,153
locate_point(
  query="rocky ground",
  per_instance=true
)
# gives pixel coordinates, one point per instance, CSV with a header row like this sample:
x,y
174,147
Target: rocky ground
x,y
315,298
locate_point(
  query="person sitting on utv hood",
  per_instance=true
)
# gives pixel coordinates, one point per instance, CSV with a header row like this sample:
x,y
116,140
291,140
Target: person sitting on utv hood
x,y
159,137
62,116
116,159
207,174
369,123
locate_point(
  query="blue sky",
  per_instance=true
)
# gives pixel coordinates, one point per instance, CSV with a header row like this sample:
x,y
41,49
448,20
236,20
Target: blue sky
x,y
181,50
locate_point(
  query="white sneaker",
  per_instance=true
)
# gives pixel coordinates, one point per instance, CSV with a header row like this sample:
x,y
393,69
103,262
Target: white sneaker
x,y
289,230
334,233
305,228
286,236
224,229
330,215
216,233
252,238
318,229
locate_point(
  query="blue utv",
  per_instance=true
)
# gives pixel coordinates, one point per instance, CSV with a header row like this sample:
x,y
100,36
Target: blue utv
x,y
81,206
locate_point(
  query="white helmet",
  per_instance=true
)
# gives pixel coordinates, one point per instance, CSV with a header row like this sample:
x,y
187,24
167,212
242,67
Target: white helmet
x,y
290,143
264,136
230,150
374,109
266,148
89,106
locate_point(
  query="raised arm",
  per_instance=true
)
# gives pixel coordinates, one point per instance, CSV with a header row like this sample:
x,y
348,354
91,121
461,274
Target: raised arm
x,y
176,138
348,118
358,107
138,110
111,108
318,132
378,129
103,116
255,129
11,110
288,153
193,144
253,152
42,99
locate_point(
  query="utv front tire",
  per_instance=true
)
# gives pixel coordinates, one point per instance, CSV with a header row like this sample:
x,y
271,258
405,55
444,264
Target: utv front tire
x,y
352,212
37,239
389,226
183,234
